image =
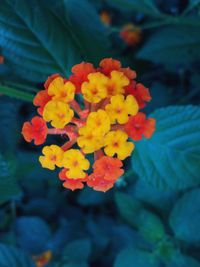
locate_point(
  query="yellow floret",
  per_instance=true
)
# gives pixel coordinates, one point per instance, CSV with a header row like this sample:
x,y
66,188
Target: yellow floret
x,y
116,143
61,91
95,90
88,141
98,122
116,83
119,109
53,156
59,113
75,163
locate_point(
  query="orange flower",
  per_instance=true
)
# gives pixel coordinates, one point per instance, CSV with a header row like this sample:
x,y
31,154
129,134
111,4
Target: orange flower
x,y
105,17
36,130
129,73
140,92
42,259
40,100
80,73
1,59
98,183
108,64
109,168
138,125
72,184
131,34
50,79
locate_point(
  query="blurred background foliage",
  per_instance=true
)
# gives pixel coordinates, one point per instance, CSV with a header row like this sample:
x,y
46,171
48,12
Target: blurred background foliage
x,y
152,216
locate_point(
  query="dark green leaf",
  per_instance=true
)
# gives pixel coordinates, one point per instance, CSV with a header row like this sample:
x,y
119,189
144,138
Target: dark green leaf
x,y
185,217
33,234
16,93
38,39
10,256
87,31
171,158
8,184
128,208
144,6
148,223
77,251
173,45
132,257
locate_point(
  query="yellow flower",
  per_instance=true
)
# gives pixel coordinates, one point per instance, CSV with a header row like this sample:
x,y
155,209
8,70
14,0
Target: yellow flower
x,y
98,122
53,156
95,90
116,83
59,113
61,91
119,108
75,163
116,143
88,141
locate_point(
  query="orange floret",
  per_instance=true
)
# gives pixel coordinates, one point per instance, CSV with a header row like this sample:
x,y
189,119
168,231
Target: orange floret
x,y
98,183
140,92
108,64
109,168
36,130
80,74
139,125
72,184
40,100
50,79
131,34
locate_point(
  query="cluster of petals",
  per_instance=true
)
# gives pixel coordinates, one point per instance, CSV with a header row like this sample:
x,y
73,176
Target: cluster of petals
x,y
96,111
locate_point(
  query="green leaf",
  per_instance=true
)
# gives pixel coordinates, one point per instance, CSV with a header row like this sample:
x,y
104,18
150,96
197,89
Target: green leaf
x,y
10,256
85,26
10,132
133,257
173,45
171,158
16,93
132,211
34,238
144,6
185,217
150,226
77,251
8,184
180,260
37,40
128,208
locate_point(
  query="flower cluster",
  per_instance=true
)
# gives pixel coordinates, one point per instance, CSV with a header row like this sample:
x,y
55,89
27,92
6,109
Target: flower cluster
x,y
131,34
101,124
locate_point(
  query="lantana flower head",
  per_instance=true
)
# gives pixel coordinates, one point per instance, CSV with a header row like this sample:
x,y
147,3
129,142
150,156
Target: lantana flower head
x,y
131,34
98,133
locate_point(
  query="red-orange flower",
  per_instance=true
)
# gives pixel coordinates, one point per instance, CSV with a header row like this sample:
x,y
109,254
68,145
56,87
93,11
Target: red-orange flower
x,y
1,59
72,184
140,92
80,73
131,34
42,259
50,79
108,167
36,130
98,183
106,171
139,125
40,100
108,64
